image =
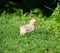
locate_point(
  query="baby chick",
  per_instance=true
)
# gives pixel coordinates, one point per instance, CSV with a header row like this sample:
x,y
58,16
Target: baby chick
x,y
28,27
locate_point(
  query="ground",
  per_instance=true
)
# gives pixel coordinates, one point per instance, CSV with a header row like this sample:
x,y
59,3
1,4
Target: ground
x,y
45,39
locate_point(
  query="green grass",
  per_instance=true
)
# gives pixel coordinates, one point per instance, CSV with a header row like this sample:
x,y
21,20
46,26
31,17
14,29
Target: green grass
x,y
45,39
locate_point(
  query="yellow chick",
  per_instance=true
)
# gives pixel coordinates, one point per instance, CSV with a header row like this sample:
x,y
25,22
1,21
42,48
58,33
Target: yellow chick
x,y
28,27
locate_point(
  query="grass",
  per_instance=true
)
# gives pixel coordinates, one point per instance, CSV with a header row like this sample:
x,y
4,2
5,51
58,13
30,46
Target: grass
x,y
45,39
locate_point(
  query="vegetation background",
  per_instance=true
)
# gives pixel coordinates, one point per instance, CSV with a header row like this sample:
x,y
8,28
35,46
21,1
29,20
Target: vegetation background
x,y
46,37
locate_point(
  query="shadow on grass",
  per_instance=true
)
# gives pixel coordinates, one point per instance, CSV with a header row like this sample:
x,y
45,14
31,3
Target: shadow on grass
x,y
46,6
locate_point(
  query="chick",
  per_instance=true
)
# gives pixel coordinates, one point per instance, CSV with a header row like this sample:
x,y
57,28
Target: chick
x,y
28,27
